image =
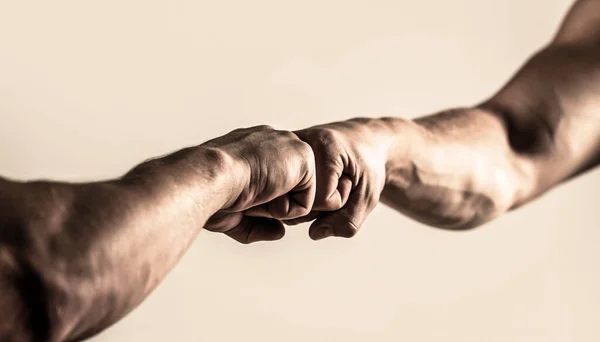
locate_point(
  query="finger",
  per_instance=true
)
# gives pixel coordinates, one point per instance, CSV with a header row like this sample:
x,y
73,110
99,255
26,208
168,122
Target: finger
x,y
310,217
329,169
286,207
347,221
254,229
302,198
343,190
223,221
296,203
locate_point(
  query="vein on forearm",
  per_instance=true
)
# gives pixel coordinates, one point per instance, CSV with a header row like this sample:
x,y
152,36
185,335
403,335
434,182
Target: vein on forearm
x,y
459,173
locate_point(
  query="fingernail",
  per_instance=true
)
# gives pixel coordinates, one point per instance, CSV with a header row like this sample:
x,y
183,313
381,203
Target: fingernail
x,y
323,232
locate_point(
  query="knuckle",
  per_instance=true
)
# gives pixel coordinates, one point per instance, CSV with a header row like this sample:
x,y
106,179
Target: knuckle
x,y
298,150
328,136
327,204
281,208
288,135
239,130
302,211
360,120
304,148
351,225
297,211
334,164
288,139
350,230
323,136
264,128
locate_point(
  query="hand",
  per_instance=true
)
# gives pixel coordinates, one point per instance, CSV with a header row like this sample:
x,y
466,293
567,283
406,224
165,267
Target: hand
x,y
350,169
273,173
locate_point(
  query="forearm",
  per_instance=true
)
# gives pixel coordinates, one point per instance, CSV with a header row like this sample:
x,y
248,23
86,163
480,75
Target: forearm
x,y
99,249
452,170
462,168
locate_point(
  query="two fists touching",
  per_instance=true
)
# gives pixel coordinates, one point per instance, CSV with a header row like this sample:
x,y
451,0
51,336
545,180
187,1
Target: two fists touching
x,y
332,174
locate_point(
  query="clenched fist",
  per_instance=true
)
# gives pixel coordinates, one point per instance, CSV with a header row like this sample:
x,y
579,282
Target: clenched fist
x,y
272,175
351,173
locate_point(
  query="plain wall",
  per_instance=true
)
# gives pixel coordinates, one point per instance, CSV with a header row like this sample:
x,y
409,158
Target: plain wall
x,y
88,89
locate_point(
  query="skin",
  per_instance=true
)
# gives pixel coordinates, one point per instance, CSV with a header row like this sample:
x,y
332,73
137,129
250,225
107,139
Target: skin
x,y
463,167
75,258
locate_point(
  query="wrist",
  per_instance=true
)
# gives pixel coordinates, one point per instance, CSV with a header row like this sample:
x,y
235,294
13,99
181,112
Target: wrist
x,y
229,173
400,137
196,170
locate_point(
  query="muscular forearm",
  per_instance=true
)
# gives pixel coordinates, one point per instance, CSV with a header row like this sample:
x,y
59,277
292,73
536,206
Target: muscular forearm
x,y
452,170
75,258
97,250
461,168
464,167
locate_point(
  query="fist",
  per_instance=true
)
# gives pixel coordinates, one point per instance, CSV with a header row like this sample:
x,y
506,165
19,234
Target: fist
x,y
350,171
272,179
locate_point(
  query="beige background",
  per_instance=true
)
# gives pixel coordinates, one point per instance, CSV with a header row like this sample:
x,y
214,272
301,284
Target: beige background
x,y
90,88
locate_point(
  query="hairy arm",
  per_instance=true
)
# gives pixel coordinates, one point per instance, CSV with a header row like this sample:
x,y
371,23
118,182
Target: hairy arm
x,y
75,258
461,168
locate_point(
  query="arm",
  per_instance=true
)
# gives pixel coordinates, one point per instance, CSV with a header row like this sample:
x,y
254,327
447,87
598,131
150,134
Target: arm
x,y
75,258
461,168
540,129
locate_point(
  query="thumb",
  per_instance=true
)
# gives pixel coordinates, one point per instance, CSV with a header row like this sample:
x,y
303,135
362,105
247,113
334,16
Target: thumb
x,y
346,221
254,229
333,186
246,229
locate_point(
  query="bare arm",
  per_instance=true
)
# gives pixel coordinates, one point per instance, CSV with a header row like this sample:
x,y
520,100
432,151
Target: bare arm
x,y
463,167
94,251
542,128
75,258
